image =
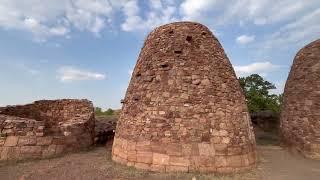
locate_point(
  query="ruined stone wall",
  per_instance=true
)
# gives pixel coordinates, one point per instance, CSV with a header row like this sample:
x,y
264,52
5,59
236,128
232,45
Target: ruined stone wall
x,y
45,129
184,109
300,117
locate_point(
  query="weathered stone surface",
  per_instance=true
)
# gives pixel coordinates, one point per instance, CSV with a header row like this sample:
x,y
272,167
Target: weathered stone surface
x,y
45,128
11,141
184,105
300,115
27,141
160,159
42,141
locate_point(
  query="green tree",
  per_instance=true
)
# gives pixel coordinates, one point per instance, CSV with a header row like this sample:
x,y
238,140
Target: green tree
x,y
98,110
109,111
256,90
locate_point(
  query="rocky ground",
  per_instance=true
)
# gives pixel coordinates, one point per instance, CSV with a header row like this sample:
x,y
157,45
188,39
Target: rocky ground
x,y
275,164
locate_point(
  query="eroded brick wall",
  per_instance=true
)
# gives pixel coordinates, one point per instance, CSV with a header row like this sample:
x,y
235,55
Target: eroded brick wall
x,y
45,129
184,109
300,117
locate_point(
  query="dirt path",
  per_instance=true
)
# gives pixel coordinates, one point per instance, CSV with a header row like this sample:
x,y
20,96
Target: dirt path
x,y
275,164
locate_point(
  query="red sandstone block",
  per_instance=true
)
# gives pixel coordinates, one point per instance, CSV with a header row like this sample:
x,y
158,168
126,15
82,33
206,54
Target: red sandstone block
x,y
207,161
132,156
225,170
143,146
27,141
123,154
195,163
49,151
11,141
144,157
179,161
234,151
160,159
174,149
131,146
216,140
204,169
158,147
186,149
252,157
171,168
30,152
206,149
221,149
220,161
42,141
39,134
245,160
2,141
58,140
115,150
70,140
195,150
10,153
124,144
142,166
60,149
234,161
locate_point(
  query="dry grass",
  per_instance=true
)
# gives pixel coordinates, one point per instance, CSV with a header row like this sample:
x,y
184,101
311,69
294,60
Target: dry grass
x,y
275,163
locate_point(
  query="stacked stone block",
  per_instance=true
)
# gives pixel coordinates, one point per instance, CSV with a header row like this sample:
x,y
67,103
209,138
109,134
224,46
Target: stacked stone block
x,y
184,109
300,116
45,129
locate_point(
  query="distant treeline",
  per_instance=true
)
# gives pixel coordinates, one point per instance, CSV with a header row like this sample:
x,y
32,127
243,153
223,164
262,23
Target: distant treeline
x,y
99,112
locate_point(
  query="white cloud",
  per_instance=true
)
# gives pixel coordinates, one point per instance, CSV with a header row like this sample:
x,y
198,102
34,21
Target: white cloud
x,y
25,68
160,12
50,18
297,33
69,74
262,12
279,87
196,9
261,68
130,71
245,39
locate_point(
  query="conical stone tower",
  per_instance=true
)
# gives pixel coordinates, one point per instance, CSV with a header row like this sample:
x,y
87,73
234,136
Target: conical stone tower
x,y
184,109
300,117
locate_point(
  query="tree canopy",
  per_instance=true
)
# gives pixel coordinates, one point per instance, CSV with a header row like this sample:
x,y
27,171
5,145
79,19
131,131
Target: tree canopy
x,y
100,112
257,92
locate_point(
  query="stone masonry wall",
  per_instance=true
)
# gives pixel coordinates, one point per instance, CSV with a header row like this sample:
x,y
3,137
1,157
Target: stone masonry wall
x,y
45,129
184,109
300,117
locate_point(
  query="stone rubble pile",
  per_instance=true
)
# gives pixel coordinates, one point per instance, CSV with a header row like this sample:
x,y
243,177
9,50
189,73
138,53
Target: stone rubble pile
x,y
45,129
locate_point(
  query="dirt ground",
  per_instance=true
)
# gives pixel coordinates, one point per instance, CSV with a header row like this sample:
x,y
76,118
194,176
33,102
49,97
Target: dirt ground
x,y
275,164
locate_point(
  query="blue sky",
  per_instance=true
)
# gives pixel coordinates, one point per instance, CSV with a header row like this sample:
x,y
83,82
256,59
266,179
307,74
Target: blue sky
x,y
53,49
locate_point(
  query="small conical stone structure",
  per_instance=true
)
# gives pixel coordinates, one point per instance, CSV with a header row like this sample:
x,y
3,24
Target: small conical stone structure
x,y
184,109
300,116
